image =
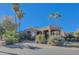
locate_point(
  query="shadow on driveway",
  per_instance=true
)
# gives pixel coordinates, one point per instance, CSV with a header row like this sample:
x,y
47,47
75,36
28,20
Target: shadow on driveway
x,y
8,53
32,47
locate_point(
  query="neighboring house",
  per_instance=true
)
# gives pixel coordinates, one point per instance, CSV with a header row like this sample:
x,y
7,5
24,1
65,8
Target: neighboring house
x,y
47,31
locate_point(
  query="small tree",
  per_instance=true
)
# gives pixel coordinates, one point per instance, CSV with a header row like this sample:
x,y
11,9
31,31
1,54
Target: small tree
x,y
10,28
77,34
8,23
40,38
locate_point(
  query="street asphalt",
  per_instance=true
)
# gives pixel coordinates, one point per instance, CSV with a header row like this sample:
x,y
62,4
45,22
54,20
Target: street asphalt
x,y
38,49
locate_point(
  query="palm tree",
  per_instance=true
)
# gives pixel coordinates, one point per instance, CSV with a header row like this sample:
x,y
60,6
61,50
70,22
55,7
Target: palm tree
x,y
56,16
15,8
19,15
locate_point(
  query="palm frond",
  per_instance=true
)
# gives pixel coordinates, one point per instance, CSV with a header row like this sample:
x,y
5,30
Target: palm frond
x,y
54,15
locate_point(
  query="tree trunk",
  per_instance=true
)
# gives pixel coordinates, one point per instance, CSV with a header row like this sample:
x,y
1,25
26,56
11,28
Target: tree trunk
x,y
19,24
16,24
56,22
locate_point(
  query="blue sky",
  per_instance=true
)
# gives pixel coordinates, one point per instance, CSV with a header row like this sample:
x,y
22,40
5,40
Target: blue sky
x,y
36,15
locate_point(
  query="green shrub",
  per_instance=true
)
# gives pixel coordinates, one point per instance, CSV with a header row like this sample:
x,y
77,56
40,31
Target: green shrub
x,y
32,38
56,40
10,37
40,38
19,36
11,40
29,37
